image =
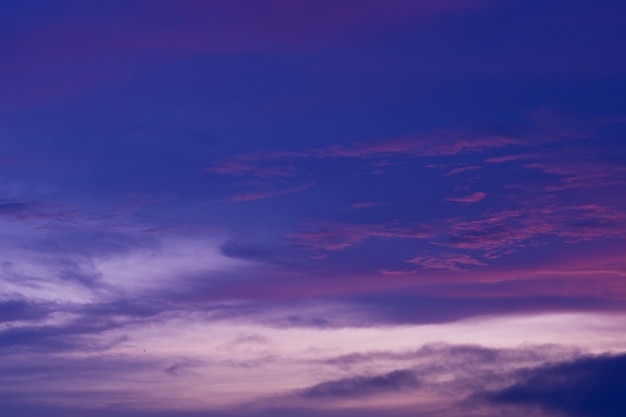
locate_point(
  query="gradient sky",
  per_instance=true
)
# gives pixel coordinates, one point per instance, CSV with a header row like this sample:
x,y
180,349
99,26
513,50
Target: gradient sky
x,y
321,208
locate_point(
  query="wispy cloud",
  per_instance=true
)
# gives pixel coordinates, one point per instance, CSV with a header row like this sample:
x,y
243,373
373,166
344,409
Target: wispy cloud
x,y
328,236
473,198
36,211
362,386
510,230
456,171
262,195
581,174
493,234
445,143
509,158
365,205
243,167
446,261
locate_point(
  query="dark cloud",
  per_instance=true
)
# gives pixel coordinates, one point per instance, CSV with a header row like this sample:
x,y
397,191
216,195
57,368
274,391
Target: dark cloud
x,y
449,353
459,371
24,409
12,310
586,387
279,307
362,386
256,251
51,338
55,385
406,308
454,371
14,208
37,211
129,308
79,333
183,367
91,243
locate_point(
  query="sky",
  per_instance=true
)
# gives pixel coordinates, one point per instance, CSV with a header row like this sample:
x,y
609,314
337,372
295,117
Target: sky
x,y
321,208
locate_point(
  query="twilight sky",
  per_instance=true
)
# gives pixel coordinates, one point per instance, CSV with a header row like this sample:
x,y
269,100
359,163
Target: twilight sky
x,y
321,208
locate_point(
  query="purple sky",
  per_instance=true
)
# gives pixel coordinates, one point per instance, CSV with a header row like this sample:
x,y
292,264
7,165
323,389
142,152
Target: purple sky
x,y
321,208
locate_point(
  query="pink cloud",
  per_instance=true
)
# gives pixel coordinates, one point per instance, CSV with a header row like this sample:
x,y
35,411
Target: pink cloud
x,y
397,273
448,275
581,174
438,144
559,125
508,158
240,167
261,195
474,198
445,261
324,237
494,235
365,205
460,170
507,231
441,143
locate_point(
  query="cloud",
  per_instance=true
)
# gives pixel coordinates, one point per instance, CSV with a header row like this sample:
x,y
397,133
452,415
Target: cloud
x,y
241,167
184,367
14,208
509,158
250,250
334,236
365,205
466,368
581,174
262,195
70,336
500,232
20,310
34,211
363,386
437,144
460,170
99,385
495,233
450,377
445,261
586,387
444,143
336,305
473,198
65,327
